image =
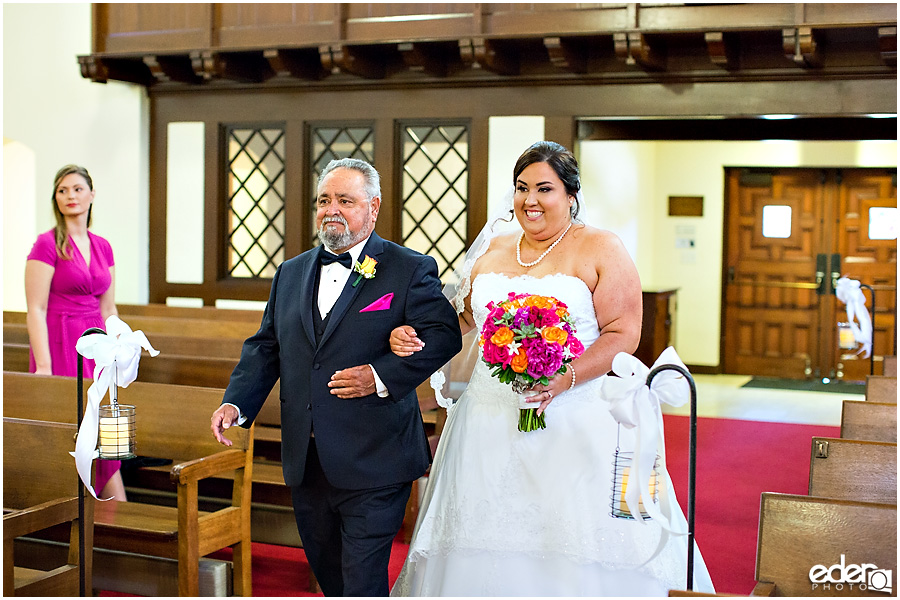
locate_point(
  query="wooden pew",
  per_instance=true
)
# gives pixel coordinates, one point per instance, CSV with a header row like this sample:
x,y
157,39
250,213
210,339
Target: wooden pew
x,y
873,421
189,312
796,533
853,470
881,389
199,371
17,333
40,490
213,326
171,422
889,368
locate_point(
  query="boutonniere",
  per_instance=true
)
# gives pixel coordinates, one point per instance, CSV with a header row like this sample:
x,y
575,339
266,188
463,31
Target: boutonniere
x,y
366,269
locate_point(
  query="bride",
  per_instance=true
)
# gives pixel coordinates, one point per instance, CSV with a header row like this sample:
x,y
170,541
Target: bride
x,y
507,513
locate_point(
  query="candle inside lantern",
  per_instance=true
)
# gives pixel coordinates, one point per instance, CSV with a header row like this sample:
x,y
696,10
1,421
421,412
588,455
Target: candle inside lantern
x,y
623,506
116,433
846,339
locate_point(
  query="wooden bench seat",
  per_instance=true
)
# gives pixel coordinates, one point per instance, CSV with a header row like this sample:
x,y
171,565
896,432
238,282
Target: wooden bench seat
x,y
40,490
798,532
873,421
171,422
881,389
853,470
889,366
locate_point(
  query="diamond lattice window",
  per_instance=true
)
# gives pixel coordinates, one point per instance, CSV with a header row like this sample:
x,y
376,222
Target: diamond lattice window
x,y
329,143
435,193
255,215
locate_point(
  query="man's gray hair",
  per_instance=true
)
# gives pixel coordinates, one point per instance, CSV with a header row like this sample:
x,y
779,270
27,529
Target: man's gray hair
x,y
373,180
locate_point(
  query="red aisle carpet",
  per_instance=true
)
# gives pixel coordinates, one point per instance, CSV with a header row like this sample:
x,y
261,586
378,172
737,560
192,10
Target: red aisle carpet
x,y
736,462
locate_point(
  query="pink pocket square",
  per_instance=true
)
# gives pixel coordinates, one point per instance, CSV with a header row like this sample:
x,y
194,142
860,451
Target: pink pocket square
x,y
382,303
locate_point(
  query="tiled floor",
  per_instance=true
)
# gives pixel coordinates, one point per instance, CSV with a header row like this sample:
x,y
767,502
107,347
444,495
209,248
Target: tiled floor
x,y
723,397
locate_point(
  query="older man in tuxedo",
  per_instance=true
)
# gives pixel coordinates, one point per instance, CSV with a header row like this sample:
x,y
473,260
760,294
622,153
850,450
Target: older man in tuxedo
x,y
352,434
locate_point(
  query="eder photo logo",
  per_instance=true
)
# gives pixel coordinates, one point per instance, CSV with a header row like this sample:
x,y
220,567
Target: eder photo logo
x,y
851,577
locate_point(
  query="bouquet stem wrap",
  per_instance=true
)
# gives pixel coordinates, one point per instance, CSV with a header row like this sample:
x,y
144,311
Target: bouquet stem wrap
x,y
116,355
849,292
635,405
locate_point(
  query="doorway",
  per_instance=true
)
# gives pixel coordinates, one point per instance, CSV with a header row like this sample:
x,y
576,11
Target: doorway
x,y
790,234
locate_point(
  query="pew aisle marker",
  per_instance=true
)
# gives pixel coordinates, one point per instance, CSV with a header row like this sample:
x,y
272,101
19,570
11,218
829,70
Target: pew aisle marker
x,y
116,356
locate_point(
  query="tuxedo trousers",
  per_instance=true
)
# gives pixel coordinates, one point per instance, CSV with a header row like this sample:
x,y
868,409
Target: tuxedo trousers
x,y
347,534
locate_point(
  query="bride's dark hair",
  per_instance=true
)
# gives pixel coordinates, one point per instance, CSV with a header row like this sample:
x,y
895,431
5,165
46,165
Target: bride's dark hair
x,y
560,160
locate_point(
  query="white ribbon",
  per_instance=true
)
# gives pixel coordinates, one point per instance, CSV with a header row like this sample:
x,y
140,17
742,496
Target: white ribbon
x,y
635,405
119,348
849,292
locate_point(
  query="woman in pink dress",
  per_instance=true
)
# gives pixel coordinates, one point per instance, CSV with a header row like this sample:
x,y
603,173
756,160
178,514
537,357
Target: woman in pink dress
x,y
69,287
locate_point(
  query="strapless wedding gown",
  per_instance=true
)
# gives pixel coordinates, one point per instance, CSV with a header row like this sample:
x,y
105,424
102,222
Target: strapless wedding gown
x,y
507,513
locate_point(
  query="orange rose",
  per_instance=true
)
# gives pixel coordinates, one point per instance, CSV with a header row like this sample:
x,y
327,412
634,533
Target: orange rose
x,y
503,336
555,334
519,362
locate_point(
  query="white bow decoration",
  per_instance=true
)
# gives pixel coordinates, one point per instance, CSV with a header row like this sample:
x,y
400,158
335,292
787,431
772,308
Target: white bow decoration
x,y
635,405
849,292
116,355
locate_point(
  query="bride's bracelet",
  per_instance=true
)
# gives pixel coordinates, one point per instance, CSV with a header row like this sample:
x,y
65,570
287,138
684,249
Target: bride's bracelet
x,y
573,377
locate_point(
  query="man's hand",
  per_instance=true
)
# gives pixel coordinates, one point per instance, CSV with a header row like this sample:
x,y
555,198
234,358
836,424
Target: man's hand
x,y
354,382
224,417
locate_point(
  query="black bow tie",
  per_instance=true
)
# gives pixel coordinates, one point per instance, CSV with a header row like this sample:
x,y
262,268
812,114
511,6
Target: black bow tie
x,y
326,258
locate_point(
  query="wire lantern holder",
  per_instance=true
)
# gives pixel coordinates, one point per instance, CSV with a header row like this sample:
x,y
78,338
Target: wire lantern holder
x,y
623,461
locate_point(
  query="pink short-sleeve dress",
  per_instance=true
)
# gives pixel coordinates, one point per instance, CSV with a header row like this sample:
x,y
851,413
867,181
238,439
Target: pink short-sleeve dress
x,y
73,307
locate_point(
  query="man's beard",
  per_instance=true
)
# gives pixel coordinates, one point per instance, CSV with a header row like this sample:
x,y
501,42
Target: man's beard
x,y
334,240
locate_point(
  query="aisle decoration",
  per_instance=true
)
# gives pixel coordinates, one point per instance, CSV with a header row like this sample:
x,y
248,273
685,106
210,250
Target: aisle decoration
x,y
848,291
635,395
116,356
526,340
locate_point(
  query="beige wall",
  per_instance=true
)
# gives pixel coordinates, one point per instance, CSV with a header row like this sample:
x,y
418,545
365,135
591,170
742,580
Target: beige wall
x,y
54,116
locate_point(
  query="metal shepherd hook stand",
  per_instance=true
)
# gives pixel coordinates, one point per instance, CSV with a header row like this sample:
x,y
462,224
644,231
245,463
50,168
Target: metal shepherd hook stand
x,y
692,463
872,311
81,549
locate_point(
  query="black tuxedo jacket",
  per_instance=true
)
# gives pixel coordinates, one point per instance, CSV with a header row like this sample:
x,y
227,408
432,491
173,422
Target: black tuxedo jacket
x,y
364,442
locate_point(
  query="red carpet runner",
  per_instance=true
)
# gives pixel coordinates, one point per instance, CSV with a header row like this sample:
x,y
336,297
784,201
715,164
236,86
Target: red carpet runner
x,y
736,462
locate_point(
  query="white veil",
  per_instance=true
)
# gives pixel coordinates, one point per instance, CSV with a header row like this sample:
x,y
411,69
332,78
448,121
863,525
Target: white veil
x,y
459,370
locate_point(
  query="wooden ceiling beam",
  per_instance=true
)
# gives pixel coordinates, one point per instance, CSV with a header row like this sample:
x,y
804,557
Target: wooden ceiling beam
x,y
497,56
802,46
372,61
636,48
177,67
723,48
300,63
887,45
567,54
438,59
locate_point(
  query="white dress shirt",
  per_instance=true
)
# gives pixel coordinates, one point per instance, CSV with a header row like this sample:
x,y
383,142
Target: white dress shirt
x,y
332,279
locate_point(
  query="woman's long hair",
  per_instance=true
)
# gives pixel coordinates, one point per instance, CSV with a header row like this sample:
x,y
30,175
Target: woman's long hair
x,y
62,233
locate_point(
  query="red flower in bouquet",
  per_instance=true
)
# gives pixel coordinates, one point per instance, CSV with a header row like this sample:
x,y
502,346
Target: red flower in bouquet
x,y
527,339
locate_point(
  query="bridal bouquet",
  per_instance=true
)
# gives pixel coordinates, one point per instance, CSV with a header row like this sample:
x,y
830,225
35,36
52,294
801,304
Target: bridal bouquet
x,y
526,340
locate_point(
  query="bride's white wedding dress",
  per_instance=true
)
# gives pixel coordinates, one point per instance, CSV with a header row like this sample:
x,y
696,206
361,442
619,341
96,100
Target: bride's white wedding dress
x,y
507,513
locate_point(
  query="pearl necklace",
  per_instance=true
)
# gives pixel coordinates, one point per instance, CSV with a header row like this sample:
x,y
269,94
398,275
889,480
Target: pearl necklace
x,y
541,257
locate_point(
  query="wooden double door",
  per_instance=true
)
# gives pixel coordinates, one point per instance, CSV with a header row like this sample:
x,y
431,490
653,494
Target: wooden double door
x,y
790,234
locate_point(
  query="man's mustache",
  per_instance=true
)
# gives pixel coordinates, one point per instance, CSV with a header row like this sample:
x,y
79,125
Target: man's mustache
x,y
335,219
